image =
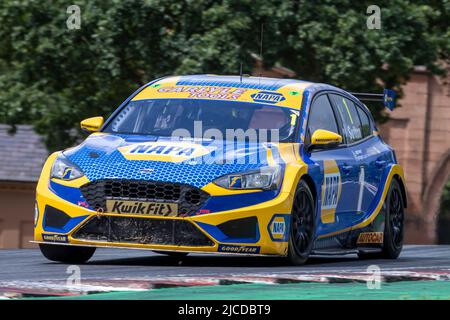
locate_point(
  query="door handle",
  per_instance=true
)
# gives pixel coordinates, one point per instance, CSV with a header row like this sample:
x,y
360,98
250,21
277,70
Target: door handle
x,y
380,163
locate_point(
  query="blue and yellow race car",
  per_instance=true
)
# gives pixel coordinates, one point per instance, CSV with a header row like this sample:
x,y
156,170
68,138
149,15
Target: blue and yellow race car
x,y
226,164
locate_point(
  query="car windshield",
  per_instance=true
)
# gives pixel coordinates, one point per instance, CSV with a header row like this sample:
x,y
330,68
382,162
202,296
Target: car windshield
x,y
205,119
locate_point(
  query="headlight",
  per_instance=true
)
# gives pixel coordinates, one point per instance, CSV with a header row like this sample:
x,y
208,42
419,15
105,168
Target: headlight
x,y
64,169
268,178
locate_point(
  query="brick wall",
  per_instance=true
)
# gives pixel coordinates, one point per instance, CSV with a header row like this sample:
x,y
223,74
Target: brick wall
x,y
420,133
17,215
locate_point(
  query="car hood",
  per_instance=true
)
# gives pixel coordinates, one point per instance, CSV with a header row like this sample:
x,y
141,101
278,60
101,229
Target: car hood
x,y
190,161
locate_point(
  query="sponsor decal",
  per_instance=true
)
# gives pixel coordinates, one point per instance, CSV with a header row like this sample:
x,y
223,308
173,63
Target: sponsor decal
x,y
331,191
370,237
361,155
205,92
268,97
279,227
172,151
67,173
55,238
139,207
162,149
83,204
353,132
235,181
238,249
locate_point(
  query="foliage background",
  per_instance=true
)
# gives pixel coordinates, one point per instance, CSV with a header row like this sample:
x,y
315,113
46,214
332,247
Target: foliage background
x,y
53,77
444,216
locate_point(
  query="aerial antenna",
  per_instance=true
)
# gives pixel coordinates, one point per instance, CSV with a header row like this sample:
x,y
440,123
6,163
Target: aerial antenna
x,y
261,50
240,72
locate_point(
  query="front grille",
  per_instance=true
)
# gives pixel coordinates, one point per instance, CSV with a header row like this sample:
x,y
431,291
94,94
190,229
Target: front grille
x,y
142,231
190,199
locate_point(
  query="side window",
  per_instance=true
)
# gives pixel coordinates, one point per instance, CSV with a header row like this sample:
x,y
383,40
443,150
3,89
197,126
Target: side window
x,y
350,119
365,122
321,117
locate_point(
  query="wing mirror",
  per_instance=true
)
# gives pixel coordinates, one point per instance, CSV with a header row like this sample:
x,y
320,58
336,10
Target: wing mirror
x,y
322,139
92,124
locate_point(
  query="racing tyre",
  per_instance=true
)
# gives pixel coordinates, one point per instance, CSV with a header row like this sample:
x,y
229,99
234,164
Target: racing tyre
x,y
302,225
67,254
393,226
173,254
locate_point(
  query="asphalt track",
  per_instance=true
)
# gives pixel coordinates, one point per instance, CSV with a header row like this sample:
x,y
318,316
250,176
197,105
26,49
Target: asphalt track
x,y
29,265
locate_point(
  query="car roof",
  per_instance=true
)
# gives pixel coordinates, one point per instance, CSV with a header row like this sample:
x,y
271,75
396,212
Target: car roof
x,y
249,82
252,84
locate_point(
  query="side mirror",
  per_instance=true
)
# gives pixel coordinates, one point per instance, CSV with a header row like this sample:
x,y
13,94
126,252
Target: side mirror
x,y
324,138
92,124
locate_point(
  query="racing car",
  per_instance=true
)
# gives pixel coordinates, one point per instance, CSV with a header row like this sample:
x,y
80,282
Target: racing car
x,y
230,165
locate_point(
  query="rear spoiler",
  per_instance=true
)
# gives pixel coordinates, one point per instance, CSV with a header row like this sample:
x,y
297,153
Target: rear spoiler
x,y
387,97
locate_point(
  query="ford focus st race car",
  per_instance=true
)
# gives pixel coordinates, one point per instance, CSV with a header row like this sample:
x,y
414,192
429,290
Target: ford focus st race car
x,y
226,164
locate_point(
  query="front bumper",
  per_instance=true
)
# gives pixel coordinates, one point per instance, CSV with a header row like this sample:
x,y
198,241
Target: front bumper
x,y
260,228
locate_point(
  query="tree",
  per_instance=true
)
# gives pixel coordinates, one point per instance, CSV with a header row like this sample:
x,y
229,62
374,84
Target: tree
x,y
444,216
53,77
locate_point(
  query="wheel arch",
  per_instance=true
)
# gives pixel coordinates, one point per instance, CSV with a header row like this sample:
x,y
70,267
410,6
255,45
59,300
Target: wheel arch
x,y
402,189
296,257
310,182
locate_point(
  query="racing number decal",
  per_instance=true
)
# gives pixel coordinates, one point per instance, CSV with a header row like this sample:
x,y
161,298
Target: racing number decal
x,y
331,191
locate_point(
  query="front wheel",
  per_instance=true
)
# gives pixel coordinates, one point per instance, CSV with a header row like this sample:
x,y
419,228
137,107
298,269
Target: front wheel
x,y
393,225
67,254
302,225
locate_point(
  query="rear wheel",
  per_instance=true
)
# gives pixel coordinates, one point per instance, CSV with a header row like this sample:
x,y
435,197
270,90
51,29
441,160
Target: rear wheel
x,y
393,226
302,225
67,254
